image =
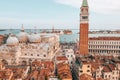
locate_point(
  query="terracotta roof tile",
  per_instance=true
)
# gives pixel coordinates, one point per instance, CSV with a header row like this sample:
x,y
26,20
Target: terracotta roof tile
x,y
106,69
86,77
112,67
61,58
46,69
100,79
64,71
5,74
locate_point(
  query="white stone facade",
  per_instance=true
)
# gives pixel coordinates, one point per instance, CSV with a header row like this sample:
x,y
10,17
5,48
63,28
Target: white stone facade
x,y
85,69
107,75
105,45
69,53
40,47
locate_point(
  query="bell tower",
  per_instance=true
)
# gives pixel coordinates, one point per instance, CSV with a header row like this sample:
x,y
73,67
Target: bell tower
x,y
84,27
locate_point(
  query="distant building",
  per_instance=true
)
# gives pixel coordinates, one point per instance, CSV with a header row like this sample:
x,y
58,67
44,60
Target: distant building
x,y
69,53
63,69
104,45
67,56
1,39
97,67
84,26
24,48
82,66
108,72
85,69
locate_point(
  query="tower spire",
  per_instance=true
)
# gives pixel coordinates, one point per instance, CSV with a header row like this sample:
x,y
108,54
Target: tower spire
x,y
22,28
84,27
85,3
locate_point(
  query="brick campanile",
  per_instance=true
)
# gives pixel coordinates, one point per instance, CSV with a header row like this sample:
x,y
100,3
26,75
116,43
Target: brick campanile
x,y
84,27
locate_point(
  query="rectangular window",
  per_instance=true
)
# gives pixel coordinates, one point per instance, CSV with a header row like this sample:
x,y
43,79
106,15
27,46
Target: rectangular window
x,y
88,66
106,76
88,70
113,77
84,17
81,71
44,55
67,55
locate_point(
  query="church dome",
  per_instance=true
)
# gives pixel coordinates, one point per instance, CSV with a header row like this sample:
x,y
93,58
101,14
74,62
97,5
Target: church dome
x,y
35,38
22,37
12,41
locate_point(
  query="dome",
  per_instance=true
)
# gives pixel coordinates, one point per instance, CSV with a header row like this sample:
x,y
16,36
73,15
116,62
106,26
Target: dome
x,y
12,41
35,38
22,37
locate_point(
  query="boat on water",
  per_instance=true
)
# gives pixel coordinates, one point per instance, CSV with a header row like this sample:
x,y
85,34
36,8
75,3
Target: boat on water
x,y
56,31
67,32
45,31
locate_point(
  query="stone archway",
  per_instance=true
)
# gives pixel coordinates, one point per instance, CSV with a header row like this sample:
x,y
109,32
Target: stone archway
x,y
24,63
5,62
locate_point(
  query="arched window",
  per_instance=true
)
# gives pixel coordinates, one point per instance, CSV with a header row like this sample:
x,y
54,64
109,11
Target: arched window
x,y
86,9
44,55
32,78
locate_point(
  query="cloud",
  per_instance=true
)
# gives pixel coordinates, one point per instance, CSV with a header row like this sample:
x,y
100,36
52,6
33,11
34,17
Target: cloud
x,y
98,6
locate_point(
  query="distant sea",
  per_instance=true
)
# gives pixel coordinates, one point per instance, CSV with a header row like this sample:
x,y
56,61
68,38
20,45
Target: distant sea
x,y
63,37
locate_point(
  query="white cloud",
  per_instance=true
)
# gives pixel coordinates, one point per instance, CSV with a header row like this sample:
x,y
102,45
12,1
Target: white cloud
x,y
98,6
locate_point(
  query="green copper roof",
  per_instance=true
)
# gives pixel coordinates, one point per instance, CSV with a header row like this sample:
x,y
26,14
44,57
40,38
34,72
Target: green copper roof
x,y
85,3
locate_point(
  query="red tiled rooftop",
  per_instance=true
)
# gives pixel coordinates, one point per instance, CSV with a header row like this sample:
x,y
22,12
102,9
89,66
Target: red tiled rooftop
x,y
66,76
112,67
5,74
86,77
44,72
63,65
61,58
35,74
64,71
46,69
46,64
100,79
95,66
106,69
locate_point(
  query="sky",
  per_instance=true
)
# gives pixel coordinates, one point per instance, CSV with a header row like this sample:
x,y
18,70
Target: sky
x,y
62,14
